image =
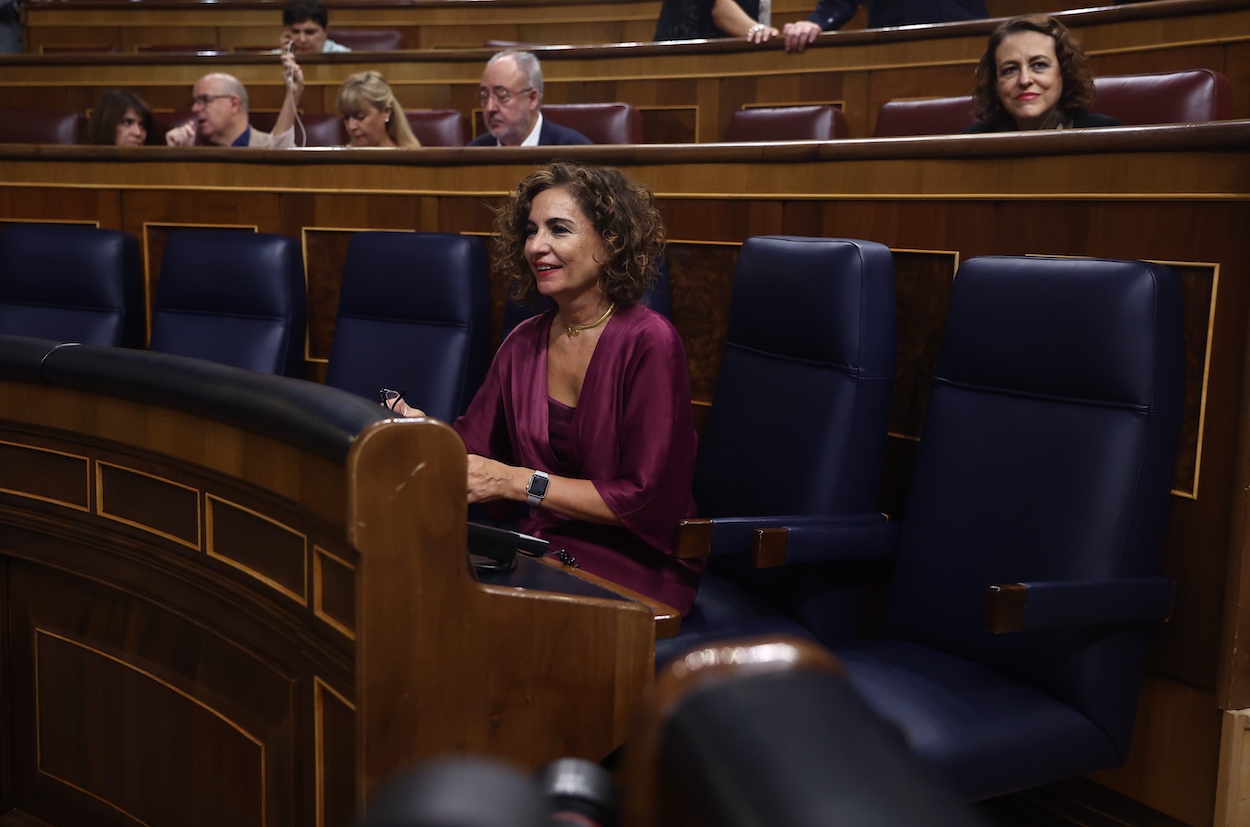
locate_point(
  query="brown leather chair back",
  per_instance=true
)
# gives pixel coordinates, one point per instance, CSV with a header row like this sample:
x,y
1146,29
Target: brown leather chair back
x,y
1190,96
42,126
439,127
934,116
368,40
602,123
787,123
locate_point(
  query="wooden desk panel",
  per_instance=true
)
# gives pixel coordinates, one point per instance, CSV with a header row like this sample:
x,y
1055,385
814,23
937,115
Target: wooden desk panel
x,y
1174,194
686,93
206,626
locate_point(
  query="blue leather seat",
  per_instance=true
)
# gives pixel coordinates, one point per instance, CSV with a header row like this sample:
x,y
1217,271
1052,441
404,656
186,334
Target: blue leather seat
x,y
232,297
1025,570
71,283
413,315
797,428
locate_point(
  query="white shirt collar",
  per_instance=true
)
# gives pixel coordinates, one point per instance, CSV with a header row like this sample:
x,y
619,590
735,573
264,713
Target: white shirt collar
x,y
532,138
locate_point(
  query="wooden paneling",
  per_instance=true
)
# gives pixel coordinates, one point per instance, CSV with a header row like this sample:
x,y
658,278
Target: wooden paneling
x,y
222,628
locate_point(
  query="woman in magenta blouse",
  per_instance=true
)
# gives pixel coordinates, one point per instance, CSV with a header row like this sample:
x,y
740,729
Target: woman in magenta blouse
x,y
585,413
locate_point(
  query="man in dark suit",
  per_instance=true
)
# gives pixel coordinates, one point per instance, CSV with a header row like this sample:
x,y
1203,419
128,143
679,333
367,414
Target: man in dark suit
x,y
832,14
510,94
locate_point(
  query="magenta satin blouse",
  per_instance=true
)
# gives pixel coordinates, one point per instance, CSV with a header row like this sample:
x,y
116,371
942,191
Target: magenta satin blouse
x,y
631,434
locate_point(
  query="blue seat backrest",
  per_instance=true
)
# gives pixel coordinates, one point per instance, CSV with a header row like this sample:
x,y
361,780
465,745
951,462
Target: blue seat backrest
x,y
233,297
799,417
413,315
1048,453
71,283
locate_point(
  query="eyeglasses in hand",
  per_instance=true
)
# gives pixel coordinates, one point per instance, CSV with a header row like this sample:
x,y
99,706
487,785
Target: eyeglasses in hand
x,y
390,398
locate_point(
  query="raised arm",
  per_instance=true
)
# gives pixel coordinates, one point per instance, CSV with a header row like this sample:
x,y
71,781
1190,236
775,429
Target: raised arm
x,y
294,76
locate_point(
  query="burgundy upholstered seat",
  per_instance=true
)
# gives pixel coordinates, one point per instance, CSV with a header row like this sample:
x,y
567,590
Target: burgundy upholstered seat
x,y
602,123
787,123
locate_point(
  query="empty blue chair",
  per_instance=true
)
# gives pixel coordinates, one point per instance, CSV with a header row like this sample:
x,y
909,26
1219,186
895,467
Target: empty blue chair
x,y
71,283
797,430
232,297
1027,563
413,315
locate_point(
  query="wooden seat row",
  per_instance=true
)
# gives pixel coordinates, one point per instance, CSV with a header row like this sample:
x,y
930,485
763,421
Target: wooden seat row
x,y
686,93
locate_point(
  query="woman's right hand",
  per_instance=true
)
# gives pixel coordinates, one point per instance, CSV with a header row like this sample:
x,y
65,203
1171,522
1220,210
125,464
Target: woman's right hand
x,y
402,408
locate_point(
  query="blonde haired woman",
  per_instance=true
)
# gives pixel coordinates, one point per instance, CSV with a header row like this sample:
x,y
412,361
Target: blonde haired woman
x,y
371,115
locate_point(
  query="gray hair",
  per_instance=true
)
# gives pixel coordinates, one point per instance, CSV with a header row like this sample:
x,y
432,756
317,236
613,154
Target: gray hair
x,y
527,63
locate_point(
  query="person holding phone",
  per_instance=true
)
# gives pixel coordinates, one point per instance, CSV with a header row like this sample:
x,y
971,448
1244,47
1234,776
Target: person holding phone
x,y
304,24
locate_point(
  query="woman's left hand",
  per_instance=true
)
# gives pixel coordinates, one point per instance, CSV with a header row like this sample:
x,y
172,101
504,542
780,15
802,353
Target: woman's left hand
x,y
490,479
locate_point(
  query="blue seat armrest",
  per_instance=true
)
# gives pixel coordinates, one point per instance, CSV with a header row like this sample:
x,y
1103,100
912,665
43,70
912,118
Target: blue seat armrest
x,y
841,538
774,541
1016,607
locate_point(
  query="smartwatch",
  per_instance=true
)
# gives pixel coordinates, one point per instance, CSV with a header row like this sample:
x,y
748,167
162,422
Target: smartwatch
x,y
536,489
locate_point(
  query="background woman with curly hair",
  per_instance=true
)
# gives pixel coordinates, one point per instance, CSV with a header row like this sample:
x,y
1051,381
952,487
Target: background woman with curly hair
x,y
585,414
1034,75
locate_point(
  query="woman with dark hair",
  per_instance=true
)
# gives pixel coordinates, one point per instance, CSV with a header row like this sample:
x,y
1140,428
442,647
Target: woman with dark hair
x,y
120,118
585,415
1034,75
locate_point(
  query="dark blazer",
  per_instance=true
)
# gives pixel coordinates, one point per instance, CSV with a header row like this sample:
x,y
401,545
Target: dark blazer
x,y
552,134
1085,120
832,14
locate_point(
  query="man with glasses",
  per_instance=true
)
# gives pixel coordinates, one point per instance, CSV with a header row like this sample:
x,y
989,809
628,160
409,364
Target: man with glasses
x,y
219,103
510,95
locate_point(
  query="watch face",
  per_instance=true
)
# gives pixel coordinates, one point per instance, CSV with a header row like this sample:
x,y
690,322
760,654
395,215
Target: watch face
x,y
537,486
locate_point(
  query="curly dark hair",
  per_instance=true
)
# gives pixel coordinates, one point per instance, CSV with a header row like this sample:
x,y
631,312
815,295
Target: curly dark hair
x,y
622,211
108,113
1078,82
